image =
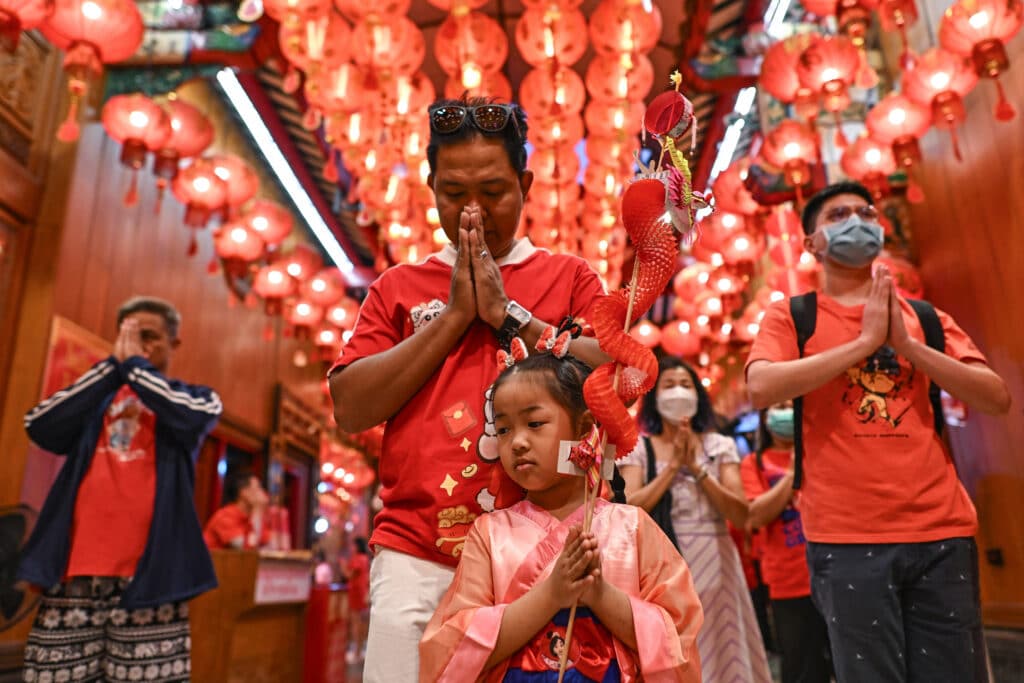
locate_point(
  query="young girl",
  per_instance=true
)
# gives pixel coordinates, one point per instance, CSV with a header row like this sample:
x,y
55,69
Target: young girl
x,y
504,617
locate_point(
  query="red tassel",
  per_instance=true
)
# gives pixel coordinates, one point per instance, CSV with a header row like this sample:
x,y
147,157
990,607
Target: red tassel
x,y
213,266
840,139
193,246
159,198
312,118
291,80
1004,110
906,57
69,130
268,332
131,197
956,144
330,168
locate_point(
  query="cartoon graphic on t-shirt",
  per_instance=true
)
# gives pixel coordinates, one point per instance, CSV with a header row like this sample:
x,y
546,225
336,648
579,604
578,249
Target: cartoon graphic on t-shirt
x,y
875,386
424,313
124,415
453,525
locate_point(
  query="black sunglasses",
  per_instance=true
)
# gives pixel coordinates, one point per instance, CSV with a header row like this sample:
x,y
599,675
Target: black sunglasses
x,y
489,118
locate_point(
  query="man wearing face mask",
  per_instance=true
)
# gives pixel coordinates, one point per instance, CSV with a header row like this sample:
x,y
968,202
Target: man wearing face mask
x,y
889,526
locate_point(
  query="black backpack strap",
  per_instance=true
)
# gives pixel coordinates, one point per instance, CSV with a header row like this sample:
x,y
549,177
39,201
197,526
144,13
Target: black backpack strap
x,y
804,310
935,337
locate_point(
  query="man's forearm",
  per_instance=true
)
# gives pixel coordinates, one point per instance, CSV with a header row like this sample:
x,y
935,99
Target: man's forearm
x,y
373,389
973,383
774,382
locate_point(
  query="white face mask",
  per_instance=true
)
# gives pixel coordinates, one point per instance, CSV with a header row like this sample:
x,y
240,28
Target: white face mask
x,y
677,404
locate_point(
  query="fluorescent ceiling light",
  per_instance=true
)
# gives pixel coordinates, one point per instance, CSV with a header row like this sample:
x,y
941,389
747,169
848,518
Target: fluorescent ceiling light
x,y
745,100
285,174
728,147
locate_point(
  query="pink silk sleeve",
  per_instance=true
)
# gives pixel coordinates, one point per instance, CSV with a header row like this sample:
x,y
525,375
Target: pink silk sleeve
x,y
464,629
667,613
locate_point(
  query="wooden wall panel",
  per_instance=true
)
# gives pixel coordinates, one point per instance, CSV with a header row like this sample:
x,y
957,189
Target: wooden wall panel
x,y
970,238
111,252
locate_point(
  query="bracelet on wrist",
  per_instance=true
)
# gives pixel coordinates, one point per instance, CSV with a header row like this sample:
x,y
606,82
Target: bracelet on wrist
x,y
702,474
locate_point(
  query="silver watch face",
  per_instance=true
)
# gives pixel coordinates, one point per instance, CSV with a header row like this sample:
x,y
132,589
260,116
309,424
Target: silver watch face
x,y
521,315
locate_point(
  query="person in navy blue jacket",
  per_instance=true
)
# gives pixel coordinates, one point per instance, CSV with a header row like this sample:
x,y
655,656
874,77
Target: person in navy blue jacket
x,y
118,548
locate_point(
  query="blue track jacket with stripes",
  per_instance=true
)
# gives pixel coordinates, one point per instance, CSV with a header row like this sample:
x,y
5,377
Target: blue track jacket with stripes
x,y
175,564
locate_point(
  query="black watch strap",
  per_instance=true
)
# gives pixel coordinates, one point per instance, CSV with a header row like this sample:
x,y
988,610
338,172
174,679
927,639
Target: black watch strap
x,y
507,332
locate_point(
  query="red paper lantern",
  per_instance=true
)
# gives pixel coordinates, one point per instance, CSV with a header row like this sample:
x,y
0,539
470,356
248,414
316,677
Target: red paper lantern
x,y
304,316
458,6
470,46
296,11
336,89
557,91
607,180
556,130
941,79
343,314
191,134
741,247
20,15
979,29
388,44
273,284
141,126
316,42
557,4
554,164
624,27
325,288
792,148
828,67
609,151
870,163
897,15
899,121
241,180
202,191
692,280
543,36
783,220
819,8
730,192
91,33
678,339
779,76
360,10
237,246
647,333
328,342
721,225
271,221
788,253
612,78
625,117
492,85
301,262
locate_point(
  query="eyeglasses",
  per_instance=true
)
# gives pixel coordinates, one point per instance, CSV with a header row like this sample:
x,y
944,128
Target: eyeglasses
x,y
837,214
489,118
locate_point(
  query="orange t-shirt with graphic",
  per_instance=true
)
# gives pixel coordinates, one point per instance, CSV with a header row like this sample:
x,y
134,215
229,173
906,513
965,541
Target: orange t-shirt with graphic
x,y
114,505
874,469
783,557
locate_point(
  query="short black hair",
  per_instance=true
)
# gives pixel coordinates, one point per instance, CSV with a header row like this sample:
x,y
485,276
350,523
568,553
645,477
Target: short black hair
x,y
813,207
564,379
151,304
650,419
235,482
513,135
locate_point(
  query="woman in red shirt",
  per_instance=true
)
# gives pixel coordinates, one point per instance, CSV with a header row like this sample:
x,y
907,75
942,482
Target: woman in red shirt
x,y
801,635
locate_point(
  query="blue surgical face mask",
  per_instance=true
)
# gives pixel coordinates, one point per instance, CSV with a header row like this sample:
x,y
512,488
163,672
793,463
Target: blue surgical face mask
x,y
854,242
780,422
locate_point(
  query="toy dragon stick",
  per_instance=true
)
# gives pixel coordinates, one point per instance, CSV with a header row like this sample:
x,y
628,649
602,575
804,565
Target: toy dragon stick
x,y
658,201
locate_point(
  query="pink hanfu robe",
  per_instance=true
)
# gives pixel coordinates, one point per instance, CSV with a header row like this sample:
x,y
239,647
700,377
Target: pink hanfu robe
x,y
509,551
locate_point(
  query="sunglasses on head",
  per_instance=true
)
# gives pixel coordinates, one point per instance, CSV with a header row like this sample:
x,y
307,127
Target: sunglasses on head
x,y
837,214
489,118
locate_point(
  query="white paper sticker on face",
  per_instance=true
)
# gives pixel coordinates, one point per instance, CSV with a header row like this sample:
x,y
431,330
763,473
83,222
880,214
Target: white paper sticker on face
x,y
566,466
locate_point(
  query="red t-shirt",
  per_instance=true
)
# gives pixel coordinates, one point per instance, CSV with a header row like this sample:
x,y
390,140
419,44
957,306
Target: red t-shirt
x,y
875,471
783,558
114,505
438,471
228,525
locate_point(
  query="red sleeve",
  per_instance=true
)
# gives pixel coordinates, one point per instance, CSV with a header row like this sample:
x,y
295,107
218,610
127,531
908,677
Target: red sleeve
x,y
587,288
221,529
776,338
377,327
958,344
753,484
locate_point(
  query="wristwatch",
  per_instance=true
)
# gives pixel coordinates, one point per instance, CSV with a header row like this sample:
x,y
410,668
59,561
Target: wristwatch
x,y
702,475
516,318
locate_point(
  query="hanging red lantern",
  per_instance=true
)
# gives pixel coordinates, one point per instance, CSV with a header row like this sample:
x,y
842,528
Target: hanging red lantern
x,y
979,29
709,304
779,74
741,247
343,314
385,45
191,134
492,86
624,27
647,333
328,342
296,11
271,221
610,151
20,15
941,79
692,280
783,220
730,192
543,36
360,10
555,164
408,94
314,42
470,46
336,89
202,191
91,33
141,126
678,339
828,67
273,284
458,6
301,262
870,163
325,288
792,148
549,4
552,91
819,8
897,15
241,180
626,117
556,130
612,78
899,121
303,317
606,180
720,226
237,246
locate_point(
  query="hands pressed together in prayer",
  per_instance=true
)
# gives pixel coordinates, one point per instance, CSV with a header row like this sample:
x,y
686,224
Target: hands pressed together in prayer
x,y
477,290
882,322
129,341
576,576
